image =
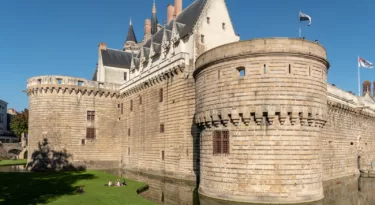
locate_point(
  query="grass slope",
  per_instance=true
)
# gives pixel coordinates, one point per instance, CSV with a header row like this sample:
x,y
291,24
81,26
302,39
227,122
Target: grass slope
x,y
60,189
13,162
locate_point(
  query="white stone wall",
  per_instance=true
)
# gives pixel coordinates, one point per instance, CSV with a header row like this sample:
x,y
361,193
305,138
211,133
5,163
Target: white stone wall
x,y
115,75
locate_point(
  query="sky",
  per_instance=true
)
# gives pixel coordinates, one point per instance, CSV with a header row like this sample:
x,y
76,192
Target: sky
x,y
44,37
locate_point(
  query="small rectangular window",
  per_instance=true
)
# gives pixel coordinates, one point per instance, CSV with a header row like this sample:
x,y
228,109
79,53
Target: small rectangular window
x,y
91,115
241,70
90,133
208,20
39,81
80,83
223,26
83,141
59,81
125,76
131,105
220,141
118,106
161,95
202,38
161,128
129,132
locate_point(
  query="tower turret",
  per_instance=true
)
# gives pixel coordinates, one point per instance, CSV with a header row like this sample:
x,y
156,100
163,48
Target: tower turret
x,y
131,40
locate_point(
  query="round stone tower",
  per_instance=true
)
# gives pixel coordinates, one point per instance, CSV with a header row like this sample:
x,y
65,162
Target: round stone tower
x,y
75,115
261,105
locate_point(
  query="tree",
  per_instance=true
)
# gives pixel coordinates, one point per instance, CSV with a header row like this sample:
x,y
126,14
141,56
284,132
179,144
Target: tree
x,y
19,123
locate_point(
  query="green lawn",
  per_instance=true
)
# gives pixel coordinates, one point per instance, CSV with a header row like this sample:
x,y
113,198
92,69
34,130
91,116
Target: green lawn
x,y
60,188
13,162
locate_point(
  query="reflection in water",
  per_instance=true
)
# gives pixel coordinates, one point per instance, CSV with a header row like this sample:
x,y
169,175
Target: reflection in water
x,y
344,191
13,168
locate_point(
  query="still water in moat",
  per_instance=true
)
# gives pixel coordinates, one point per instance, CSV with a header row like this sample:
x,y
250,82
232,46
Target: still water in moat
x,y
352,190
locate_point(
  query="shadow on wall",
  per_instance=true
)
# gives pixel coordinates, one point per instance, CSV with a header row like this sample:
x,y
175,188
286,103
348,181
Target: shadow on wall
x,y
195,132
47,159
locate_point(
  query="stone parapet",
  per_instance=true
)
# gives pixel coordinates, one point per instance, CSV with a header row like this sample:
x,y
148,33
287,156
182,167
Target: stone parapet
x,y
70,84
263,46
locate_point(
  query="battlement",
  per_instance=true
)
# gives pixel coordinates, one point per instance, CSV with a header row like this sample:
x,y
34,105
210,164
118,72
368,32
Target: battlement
x,y
263,46
65,81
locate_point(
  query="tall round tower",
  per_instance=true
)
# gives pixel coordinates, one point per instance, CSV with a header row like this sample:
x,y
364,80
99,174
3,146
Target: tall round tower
x,y
76,115
261,105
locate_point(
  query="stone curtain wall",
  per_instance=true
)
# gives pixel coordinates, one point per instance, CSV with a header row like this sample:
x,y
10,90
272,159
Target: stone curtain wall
x,y
58,111
274,113
143,144
348,134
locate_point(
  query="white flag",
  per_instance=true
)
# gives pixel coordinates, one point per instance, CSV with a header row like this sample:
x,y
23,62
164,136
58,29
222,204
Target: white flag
x,y
364,63
305,17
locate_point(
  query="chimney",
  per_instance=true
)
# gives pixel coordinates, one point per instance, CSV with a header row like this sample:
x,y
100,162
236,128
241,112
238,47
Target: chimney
x,y
366,88
170,13
102,46
147,27
177,7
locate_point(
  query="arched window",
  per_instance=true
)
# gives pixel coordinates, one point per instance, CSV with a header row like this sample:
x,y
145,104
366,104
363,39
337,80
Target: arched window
x,y
241,71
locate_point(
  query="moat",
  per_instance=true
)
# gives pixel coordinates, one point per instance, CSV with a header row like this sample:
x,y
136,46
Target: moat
x,y
352,190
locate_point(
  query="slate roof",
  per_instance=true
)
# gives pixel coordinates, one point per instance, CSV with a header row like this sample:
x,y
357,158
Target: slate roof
x,y
116,58
190,15
154,24
131,35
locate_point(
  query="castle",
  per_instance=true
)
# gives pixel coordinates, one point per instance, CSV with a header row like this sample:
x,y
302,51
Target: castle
x,y
253,121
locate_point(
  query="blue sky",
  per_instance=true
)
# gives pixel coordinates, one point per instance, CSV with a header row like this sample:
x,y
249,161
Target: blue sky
x,y
44,37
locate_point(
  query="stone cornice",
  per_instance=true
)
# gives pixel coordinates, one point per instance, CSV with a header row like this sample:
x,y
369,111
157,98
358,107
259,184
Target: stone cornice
x,y
258,116
346,109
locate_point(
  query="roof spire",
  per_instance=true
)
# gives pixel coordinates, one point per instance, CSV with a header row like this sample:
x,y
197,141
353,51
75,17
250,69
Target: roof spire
x,y
131,35
154,8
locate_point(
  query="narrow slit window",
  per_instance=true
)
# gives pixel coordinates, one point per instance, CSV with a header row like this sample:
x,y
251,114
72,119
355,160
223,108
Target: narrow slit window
x,y
131,105
218,75
122,108
290,69
140,100
162,155
125,76
161,95
129,132
161,128
202,38
208,20
223,26
309,71
128,150
265,69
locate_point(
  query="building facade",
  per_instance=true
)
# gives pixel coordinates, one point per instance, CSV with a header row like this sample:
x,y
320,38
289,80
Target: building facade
x,y
252,121
3,117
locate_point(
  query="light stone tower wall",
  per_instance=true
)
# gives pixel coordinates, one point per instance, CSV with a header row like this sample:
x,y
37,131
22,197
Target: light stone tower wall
x,y
58,112
274,115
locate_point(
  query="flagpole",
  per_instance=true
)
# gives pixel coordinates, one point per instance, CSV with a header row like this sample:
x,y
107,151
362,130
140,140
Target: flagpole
x,y
300,29
359,78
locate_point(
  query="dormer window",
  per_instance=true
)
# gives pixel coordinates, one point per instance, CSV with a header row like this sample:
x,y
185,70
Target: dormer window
x,y
202,38
208,20
223,26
